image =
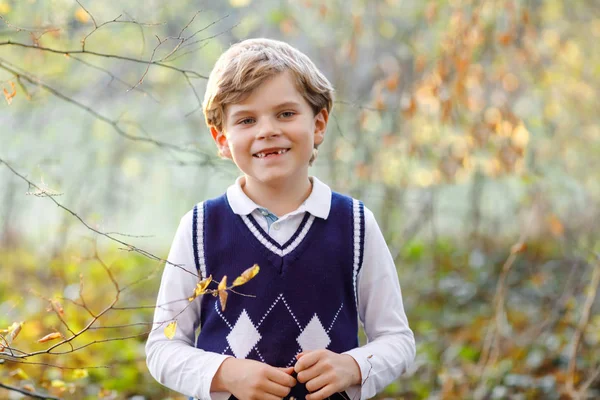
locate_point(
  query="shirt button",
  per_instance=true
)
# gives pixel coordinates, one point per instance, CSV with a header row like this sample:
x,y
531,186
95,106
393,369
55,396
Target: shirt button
x,y
276,227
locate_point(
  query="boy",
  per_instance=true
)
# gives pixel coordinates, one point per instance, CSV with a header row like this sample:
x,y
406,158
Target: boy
x,y
292,330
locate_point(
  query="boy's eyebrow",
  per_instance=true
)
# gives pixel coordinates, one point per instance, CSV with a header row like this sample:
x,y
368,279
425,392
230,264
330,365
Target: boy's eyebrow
x,y
277,107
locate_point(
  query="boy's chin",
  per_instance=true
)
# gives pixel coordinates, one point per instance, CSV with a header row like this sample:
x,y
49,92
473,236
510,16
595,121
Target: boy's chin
x,y
274,179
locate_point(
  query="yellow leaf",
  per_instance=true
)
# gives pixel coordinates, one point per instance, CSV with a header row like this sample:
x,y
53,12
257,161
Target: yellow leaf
x,y
223,283
57,383
80,373
171,329
4,8
49,337
246,275
19,373
201,288
82,16
223,292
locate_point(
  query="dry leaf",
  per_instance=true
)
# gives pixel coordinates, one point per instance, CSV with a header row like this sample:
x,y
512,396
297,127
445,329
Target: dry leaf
x,y
223,298
556,227
58,307
49,337
29,388
13,331
201,288
518,248
171,329
9,96
222,289
246,275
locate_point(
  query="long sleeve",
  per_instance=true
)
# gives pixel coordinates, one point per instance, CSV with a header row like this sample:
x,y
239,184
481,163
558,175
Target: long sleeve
x,y
391,346
176,363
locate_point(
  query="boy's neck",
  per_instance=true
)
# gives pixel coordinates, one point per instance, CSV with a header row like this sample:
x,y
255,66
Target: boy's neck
x,y
279,199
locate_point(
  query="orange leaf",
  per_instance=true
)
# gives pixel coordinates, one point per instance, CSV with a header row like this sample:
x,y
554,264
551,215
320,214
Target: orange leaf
x,y
223,298
49,337
29,388
518,248
223,292
246,275
505,39
58,308
171,329
556,227
9,96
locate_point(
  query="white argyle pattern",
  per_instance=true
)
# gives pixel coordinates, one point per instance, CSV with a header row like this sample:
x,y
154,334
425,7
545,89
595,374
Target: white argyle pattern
x,y
313,336
245,335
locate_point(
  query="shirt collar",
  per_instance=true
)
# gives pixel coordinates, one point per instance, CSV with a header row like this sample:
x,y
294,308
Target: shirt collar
x,y
318,202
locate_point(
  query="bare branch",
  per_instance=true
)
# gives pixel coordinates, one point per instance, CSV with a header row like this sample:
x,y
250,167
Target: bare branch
x,y
27,393
114,77
126,245
115,124
192,74
583,323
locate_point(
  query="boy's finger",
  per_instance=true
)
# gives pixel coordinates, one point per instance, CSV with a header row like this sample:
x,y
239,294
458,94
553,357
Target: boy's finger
x,y
276,389
288,370
307,360
281,377
322,394
310,373
299,355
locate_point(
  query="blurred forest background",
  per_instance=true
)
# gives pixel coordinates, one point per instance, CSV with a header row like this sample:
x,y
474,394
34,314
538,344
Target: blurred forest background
x,y
470,128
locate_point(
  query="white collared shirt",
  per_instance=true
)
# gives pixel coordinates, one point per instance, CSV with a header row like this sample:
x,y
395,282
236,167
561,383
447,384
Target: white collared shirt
x,y
179,365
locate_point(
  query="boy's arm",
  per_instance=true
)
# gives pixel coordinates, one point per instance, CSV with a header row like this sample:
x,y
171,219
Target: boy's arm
x,y
176,363
391,344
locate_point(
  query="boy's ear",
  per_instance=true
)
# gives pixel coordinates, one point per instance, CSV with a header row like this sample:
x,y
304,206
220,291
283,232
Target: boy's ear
x,y
321,125
221,141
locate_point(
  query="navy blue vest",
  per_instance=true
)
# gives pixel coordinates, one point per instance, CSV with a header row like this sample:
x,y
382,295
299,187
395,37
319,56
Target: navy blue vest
x,y
304,297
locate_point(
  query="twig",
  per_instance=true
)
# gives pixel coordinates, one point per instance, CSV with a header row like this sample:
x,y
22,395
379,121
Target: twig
x,y
27,393
192,74
12,69
127,245
583,323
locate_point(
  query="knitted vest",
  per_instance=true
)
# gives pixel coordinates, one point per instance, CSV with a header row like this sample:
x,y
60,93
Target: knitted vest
x,y
304,297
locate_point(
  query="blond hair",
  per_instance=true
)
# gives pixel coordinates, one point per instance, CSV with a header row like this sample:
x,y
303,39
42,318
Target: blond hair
x,y
246,65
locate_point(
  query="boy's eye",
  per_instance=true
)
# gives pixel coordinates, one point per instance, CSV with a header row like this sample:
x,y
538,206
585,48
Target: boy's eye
x,y
287,114
246,121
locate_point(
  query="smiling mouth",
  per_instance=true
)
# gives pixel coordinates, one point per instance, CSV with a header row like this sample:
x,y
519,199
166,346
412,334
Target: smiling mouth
x,y
268,153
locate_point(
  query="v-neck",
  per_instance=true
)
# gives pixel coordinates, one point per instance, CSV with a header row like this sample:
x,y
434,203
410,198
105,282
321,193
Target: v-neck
x,y
269,243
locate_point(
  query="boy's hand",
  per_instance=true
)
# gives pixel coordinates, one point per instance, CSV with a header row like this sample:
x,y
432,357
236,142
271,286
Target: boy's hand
x,y
326,372
252,380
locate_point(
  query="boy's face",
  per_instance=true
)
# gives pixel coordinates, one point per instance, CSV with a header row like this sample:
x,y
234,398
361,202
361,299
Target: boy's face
x,y
271,134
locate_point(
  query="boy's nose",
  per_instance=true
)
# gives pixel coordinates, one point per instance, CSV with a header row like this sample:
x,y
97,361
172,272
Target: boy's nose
x,y
267,129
